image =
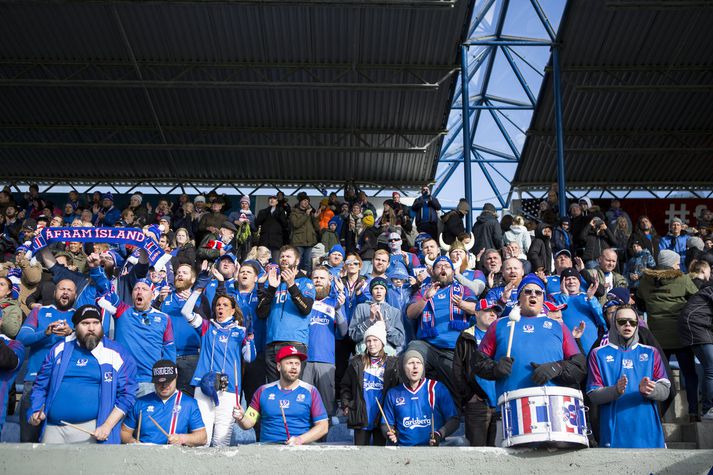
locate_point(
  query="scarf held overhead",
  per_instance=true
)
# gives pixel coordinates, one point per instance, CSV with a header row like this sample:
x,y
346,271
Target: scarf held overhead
x,y
133,236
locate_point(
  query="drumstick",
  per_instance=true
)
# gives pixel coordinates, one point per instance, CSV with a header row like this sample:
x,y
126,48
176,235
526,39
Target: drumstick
x,y
284,420
138,429
514,317
159,426
433,422
235,374
78,428
381,410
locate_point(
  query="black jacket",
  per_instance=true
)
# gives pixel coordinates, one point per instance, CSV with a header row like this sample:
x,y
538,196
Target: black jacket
x,y
695,322
595,242
463,372
487,232
651,244
452,226
352,393
540,252
272,227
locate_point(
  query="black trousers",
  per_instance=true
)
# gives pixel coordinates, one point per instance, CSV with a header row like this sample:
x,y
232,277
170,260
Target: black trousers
x,y
369,437
480,423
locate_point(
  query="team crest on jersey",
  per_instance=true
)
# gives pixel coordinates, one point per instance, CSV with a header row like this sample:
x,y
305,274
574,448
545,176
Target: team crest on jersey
x,y
300,397
284,403
235,334
644,357
108,377
400,401
528,328
547,325
82,362
176,408
441,296
271,397
48,314
157,319
150,409
610,359
627,364
223,338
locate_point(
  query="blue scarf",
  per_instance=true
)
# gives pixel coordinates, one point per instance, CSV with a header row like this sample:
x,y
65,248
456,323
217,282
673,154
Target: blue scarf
x,y
458,318
133,236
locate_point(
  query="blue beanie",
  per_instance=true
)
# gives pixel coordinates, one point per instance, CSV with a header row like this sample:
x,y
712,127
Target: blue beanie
x,y
398,272
108,196
338,248
531,279
441,259
334,221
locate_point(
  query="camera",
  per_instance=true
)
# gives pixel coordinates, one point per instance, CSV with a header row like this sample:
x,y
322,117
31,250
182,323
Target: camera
x,y
221,381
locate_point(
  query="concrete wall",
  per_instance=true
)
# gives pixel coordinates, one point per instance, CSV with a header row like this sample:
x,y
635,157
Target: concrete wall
x,y
39,459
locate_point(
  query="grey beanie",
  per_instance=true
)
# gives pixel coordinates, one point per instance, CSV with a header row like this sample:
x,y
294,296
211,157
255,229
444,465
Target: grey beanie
x,y
668,258
676,220
696,242
412,354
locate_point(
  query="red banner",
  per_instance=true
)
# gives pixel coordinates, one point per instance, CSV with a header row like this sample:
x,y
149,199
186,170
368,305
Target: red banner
x,y
662,211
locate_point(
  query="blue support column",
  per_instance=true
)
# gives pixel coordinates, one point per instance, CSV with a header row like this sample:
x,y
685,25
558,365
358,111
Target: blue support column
x,y
559,130
466,135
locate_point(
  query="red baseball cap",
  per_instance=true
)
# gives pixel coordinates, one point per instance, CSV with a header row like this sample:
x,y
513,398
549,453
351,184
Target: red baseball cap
x,y
287,351
553,307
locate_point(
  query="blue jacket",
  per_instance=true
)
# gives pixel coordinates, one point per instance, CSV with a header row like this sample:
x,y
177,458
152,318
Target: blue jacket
x,y
676,244
118,388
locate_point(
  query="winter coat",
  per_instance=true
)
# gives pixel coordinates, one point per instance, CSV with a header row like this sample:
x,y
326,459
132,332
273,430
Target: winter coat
x,y
562,239
11,317
540,254
664,293
636,265
595,243
368,240
304,227
463,371
652,245
272,227
487,232
695,322
352,393
452,226
520,235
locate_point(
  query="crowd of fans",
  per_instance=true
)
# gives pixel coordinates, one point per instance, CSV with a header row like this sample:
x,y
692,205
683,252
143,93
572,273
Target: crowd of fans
x,y
398,319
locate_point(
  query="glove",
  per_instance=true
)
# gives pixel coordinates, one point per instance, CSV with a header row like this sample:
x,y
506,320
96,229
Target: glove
x,y
503,368
202,280
545,371
208,386
436,440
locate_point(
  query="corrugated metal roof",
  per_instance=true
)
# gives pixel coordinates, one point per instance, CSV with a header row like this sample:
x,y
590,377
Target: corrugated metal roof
x,y
636,88
242,92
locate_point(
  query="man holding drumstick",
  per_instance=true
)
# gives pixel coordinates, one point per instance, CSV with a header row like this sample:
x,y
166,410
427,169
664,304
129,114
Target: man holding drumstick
x,y
85,386
543,350
291,410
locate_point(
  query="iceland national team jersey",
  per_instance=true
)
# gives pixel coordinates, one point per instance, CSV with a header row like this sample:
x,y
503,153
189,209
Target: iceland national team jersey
x,y
414,412
146,335
285,322
536,340
321,331
7,376
185,337
32,334
302,406
373,389
630,420
179,414
446,337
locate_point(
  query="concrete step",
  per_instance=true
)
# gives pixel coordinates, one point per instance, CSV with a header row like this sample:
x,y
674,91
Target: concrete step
x,y
704,434
681,445
679,432
678,411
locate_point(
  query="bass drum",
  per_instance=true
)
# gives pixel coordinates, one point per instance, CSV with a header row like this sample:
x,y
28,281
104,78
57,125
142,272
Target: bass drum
x,y
544,416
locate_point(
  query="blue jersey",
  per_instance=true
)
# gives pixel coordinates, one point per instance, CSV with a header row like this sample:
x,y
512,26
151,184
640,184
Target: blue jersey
x,y
212,286
32,335
486,385
536,340
372,389
179,414
247,301
321,331
630,420
77,399
445,315
147,336
185,338
302,406
580,309
415,413
224,345
285,322
7,376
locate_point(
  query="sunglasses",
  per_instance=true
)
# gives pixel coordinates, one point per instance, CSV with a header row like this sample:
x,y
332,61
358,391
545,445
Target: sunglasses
x,y
352,263
394,240
535,292
623,321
